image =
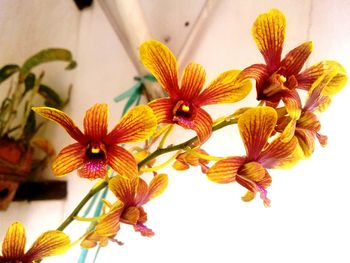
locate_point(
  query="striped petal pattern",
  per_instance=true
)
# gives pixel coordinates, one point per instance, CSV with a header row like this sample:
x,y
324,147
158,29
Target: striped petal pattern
x,y
48,244
225,171
192,81
163,110
228,87
136,125
161,62
14,243
96,121
296,58
255,126
62,119
69,159
269,33
122,161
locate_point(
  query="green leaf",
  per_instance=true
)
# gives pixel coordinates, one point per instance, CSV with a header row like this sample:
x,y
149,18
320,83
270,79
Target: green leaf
x,y
150,78
7,71
52,99
29,83
47,55
133,98
30,127
128,93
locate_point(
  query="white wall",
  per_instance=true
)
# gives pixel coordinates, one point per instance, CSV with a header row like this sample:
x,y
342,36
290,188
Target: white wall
x,y
196,220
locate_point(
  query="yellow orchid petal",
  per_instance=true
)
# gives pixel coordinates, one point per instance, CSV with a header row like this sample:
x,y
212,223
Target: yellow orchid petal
x,y
269,33
137,125
124,188
225,171
180,165
253,171
161,62
192,82
306,78
256,126
238,113
48,244
96,121
306,141
228,87
62,119
142,192
280,155
296,58
202,125
338,80
288,131
108,225
14,242
163,110
122,161
249,196
158,185
130,215
70,158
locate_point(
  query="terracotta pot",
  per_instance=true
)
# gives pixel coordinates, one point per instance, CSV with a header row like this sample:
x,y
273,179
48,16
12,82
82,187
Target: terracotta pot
x,y
15,166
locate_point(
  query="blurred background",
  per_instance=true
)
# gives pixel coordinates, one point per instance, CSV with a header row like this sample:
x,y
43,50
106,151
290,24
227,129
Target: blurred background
x,y
194,220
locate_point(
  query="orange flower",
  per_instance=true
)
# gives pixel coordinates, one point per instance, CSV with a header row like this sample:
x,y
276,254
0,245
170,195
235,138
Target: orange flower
x,y
184,106
187,159
132,193
256,126
307,127
95,148
47,244
278,79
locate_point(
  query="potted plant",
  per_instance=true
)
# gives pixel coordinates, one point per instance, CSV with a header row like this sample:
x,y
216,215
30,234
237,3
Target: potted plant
x,y
18,124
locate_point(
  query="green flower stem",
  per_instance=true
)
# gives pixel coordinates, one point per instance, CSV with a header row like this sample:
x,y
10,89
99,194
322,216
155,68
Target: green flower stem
x,y
155,154
161,151
75,212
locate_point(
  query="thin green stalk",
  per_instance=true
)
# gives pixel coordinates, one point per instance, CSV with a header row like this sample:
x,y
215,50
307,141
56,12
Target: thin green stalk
x,y
155,154
75,212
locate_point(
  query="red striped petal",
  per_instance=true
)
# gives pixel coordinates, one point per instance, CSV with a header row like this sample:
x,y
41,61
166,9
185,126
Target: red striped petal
x,y
259,72
122,161
48,244
124,188
280,155
228,87
96,122
269,33
256,126
14,242
295,59
161,62
137,125
69,159
62,119
202,125
310,75
163,109
192,81
225,171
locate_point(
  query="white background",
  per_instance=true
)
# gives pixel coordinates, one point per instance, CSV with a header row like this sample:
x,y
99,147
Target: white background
x,y
196,220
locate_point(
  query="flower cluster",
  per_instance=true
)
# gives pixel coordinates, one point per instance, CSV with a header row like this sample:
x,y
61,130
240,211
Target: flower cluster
x,y
277,134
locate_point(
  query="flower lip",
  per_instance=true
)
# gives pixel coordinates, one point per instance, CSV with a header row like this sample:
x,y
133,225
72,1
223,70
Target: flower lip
x,y
96,151
183,109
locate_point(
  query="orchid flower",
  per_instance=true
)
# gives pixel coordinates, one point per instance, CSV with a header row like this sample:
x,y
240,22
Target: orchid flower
x,y
256,126
50,243
132,194
95,149
279,78
319,98
184,105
